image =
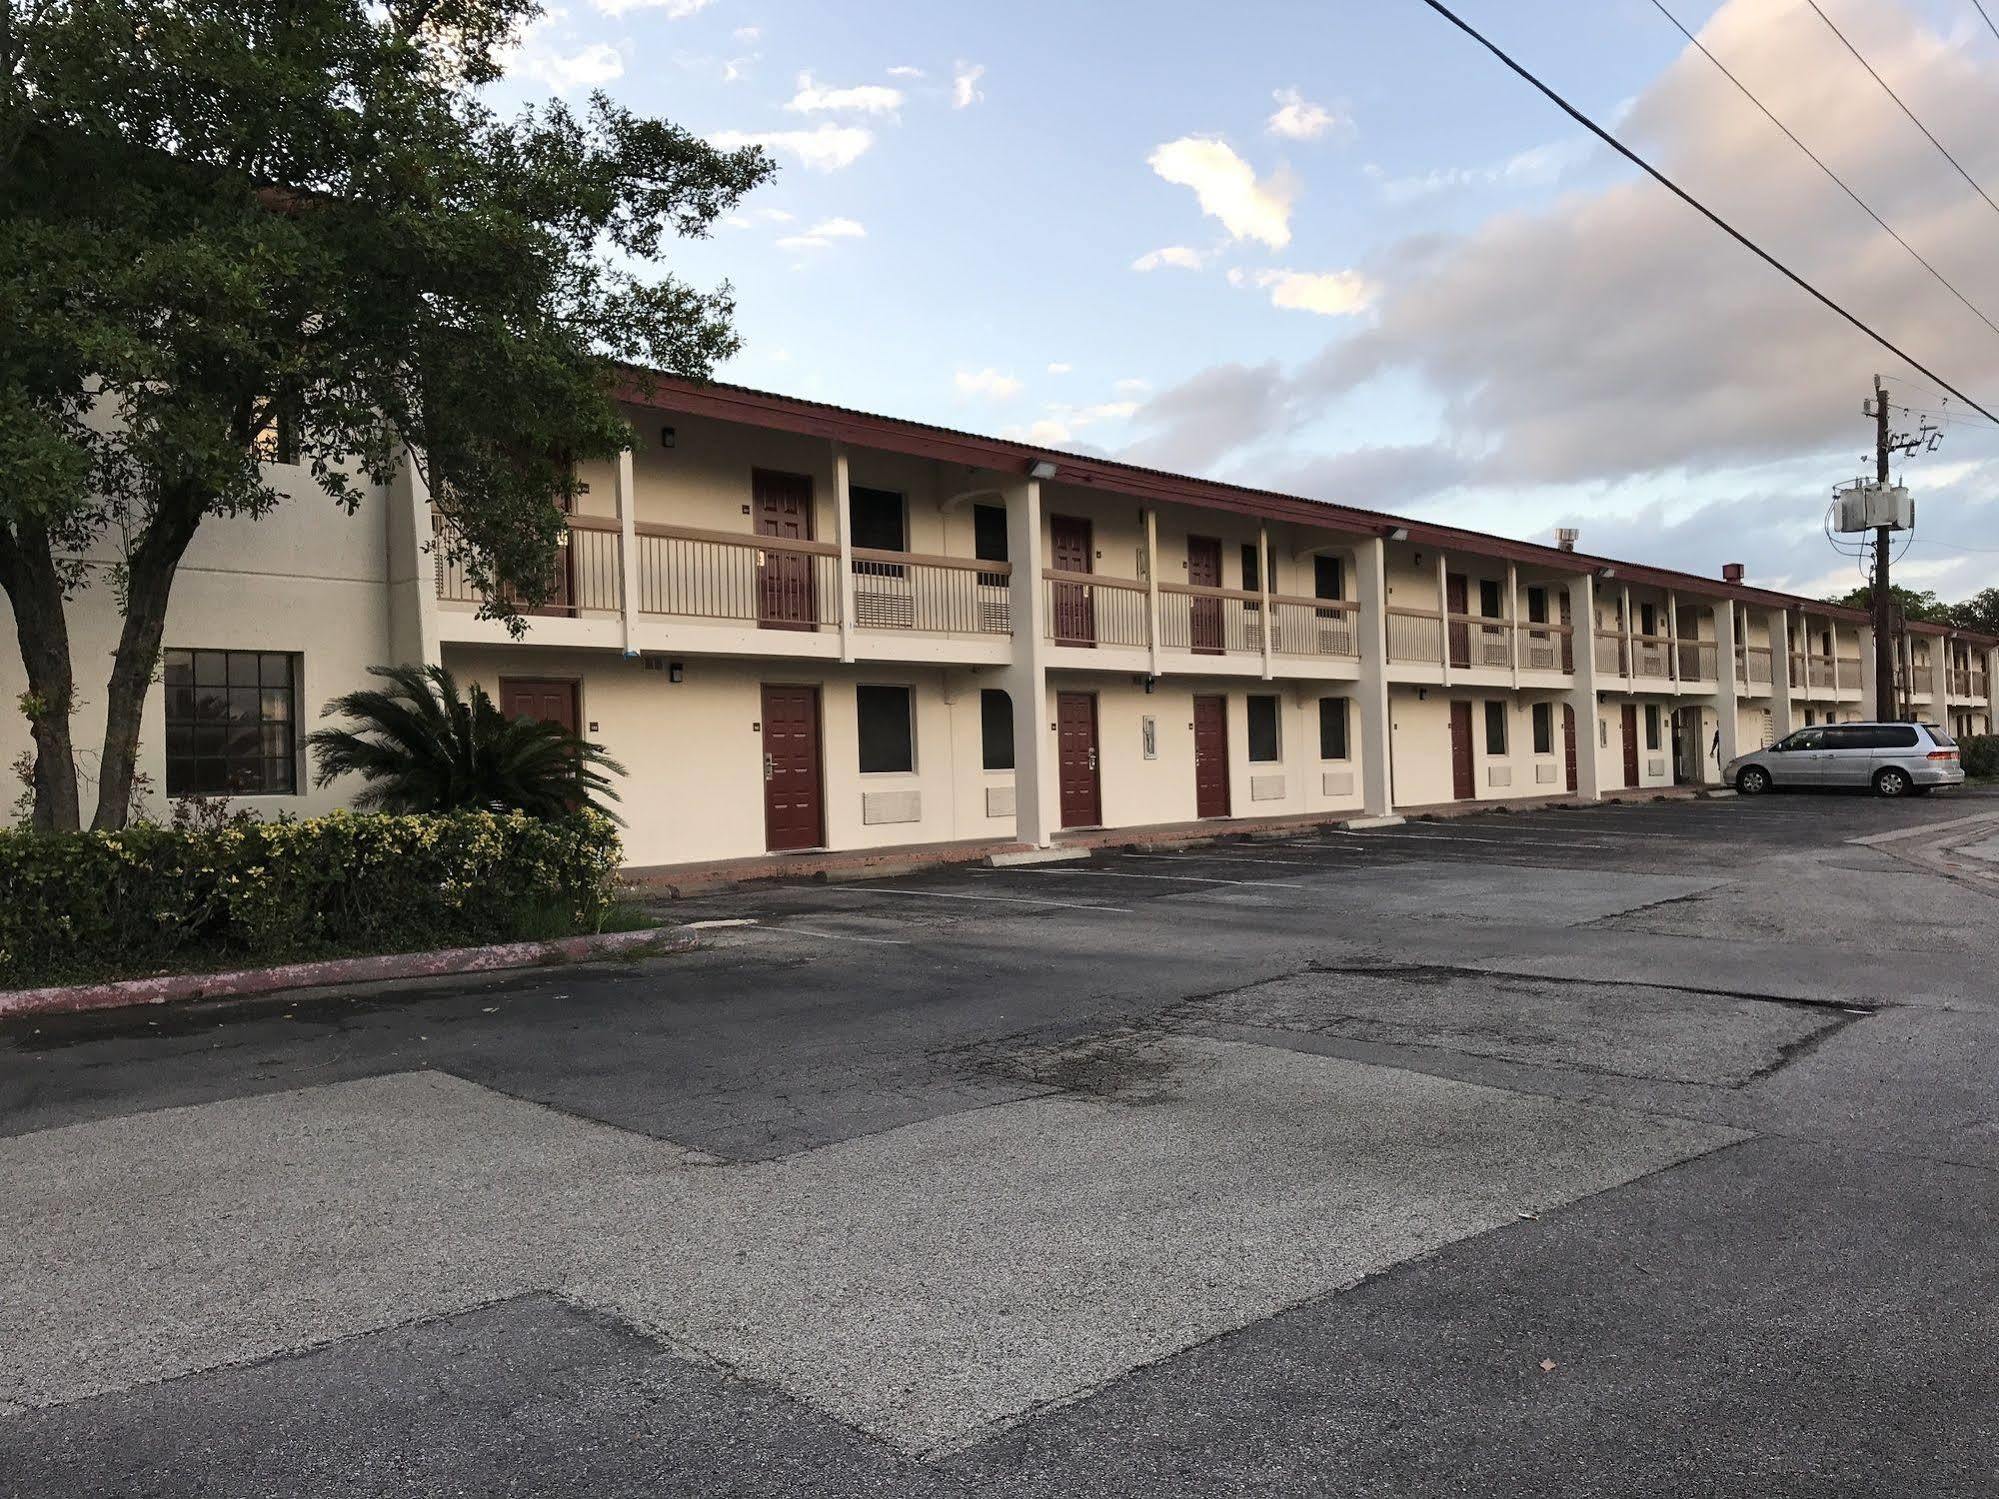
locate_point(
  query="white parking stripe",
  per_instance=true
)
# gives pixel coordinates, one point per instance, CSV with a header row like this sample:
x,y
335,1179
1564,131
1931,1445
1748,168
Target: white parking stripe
x,y
1457,838
806,931
1008,900
1195,879
1223,859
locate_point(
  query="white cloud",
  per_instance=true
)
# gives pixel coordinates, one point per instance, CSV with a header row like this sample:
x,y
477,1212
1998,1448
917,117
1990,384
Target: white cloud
x,y
1227,188
1058,368
987,383
906,72
1538,166
866,98
676,10
736,69
1298,119
1177,256
749,218
1332,293
826,148
1132,386
534,55
747,34
965,90
822,235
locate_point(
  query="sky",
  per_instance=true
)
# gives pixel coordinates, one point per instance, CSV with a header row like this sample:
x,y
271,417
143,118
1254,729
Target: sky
x,y
1338,250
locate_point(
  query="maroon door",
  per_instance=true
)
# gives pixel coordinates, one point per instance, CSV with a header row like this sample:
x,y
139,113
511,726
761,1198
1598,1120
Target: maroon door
x,y
1071,550
1464,785
1211,756
1631,744
1568,647
793,815
1204,570
786,598
1076,759
1569,737
1457,603
552,702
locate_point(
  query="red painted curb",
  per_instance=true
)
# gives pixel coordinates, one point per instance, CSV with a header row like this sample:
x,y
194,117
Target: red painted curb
x,y
68,999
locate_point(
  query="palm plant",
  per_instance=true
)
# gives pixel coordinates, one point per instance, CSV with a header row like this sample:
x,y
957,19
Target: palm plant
x,y
422,746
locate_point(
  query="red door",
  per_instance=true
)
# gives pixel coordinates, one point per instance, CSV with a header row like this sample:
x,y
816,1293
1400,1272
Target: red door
x,y
1211,756
1569,736
1631,744
1071,550
1076,759
1457,603
1204,570
1464,785
552,702
793,815
1568,647
786,598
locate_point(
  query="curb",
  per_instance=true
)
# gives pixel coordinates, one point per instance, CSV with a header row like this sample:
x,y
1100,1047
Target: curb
x,y
242,982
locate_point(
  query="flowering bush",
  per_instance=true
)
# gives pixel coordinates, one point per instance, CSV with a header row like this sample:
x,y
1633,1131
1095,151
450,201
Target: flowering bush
x,y
147,898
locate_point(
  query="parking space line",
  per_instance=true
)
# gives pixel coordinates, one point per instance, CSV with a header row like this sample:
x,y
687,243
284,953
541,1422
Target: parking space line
x,y
1223,859
1008,900
1453,838
1194,879
806,931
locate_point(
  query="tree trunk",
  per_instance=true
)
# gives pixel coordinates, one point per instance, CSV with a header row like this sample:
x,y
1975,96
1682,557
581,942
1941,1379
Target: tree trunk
x,y
28,573
149,579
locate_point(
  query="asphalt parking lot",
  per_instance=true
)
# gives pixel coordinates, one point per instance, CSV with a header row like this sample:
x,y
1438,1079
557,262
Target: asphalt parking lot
x,y
1630,1149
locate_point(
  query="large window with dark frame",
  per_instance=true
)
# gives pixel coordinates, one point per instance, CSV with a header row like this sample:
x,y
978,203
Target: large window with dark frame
x,y
886,727
996,728
1332,728
1495,727
1544,729
1651,726
989,541
232,723
1264,740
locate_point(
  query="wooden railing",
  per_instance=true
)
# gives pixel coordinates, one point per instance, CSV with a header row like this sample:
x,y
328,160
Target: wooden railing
x,y
1651,656
1210,621
1699,661
1967,682
1314,627
1084,609
1545,647
1752,665
1478,640
1416,636
587,580
769,581
1610,658
935,595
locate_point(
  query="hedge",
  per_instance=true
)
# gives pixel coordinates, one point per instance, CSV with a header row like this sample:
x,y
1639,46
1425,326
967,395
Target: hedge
x,y
1979,754
149,899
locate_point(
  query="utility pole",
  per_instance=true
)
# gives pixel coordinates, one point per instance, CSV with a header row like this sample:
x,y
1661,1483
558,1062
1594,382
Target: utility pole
x,y
1884,602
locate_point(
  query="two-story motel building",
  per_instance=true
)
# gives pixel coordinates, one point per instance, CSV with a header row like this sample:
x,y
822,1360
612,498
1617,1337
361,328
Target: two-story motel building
x,y
802,627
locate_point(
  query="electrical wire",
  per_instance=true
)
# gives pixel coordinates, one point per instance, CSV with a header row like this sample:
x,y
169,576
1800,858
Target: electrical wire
x,y
1694,203
1820,164
1975,5
1814,4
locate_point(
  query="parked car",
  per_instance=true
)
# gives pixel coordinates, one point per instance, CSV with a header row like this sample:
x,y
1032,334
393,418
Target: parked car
x,y
1895,759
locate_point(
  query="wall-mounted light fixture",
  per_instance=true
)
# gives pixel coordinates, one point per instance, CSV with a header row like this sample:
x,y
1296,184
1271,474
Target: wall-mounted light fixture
x,y
1041,468
1152,684
1606,572
666,437
1398,533
673,671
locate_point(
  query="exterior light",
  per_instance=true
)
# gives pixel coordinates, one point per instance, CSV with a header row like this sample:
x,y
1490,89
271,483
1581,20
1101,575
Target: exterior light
x,y
666,437
1041,468
1606,572
673,671
1398,533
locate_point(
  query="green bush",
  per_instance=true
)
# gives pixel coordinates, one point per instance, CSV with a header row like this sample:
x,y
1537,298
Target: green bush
x,y
147,899
1980,754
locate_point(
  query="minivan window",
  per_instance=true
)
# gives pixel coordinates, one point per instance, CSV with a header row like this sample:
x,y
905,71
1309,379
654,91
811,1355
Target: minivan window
x,y
1844,738
1935,733
1889,736
1803,739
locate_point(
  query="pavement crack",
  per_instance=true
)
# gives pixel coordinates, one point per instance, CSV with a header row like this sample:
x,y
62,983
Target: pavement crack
x,y
1442,973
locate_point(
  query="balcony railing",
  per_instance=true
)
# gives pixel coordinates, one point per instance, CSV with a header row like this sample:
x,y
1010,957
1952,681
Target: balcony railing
x,y
1651,655
1083,609
1415,636
1699,661
1314,627
1965,682
1610,652
934,595
769,581
588,578
1478,640
1546,647
1753,664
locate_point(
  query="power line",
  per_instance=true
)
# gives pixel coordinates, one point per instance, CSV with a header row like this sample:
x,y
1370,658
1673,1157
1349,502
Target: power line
x,y
1814,4
1694,203
1987,18
1820,164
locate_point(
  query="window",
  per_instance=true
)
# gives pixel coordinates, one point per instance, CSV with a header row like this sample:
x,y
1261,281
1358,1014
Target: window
x,y
996,728
231,723
1489,603
1263,738
1810,717
1495,727
1648,622
1537,606
1651,726
1250,571
1544,728
1329,578
989,533
886,730
875,517
1332,728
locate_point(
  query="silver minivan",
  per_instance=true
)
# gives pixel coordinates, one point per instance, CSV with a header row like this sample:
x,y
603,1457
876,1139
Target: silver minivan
x,y
1893,758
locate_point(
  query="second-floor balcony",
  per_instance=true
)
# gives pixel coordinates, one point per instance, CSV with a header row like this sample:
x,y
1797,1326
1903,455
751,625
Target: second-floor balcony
x,y
1477,642
1090,611
1967,682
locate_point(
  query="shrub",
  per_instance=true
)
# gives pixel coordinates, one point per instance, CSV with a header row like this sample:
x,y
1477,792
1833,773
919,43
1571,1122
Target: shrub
x,y
143,899
1980,754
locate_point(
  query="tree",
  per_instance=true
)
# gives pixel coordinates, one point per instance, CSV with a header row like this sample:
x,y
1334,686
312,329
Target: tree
x,y
233,231
1980,612
1924,606
422,746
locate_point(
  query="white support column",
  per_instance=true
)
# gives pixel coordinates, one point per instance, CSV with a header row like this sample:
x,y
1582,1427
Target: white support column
x,y
413,624
1940,679
1992,691
1513,619
1371,690
1727,712
1267,623
1036,799
1782,719
1151,589
1673,638
1583,690
1630,672
1832,630
1443,619
623,489
843,530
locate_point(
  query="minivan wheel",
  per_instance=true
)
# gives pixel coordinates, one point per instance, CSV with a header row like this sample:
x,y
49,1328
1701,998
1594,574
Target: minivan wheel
x,y
1753,782
1891,782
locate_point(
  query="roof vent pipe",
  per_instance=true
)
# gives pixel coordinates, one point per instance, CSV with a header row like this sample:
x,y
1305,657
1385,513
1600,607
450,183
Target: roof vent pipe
x,y
1731,572
1566,538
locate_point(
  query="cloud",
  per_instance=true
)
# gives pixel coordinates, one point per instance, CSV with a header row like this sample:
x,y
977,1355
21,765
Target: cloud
x,y
1132,386
747,34
590,66
749,218
1297,119
965,91
907,72
822,235
1330,293
1197,422
1177,256
866,98
1063,422
676,10
1058,368
826,148
1227,188
989,384
1538,166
